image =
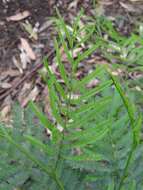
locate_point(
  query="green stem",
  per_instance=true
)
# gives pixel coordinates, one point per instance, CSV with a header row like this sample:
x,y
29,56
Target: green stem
x,y
126,168
130,112
58,182
66,121
113,153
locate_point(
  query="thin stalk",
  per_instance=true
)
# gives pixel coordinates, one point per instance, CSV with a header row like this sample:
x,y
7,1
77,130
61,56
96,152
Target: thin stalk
x,y
126,168
58,182
68,103
113,153
130,112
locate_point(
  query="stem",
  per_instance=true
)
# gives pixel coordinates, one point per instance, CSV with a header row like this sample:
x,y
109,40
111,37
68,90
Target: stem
x,y
58,182
126,167
59,152
113,154
68,103
61,142
130,112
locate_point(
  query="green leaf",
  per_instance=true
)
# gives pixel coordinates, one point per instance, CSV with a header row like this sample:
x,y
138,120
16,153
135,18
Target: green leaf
x,y
87,155
46,123
27,154
65,29
97,105
137,129
87,136
126,101
55,103
88,78
86,37
46,148
61,65
111,186
66,49
86,113
43,119
92,92
57,84
85,54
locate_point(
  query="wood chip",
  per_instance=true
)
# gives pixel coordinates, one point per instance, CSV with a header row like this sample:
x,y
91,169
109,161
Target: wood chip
x,y
19,16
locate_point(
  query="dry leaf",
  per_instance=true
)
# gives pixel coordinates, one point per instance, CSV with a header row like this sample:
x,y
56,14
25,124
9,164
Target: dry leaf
x,y
73,96
73,4
17,64
47,108
25,45
32,31
18,16
5,111
11,73
75,53
24,59
59,127
32,96
105,2
46,25
136,0
128,7
5,85
138,88
93,83
118,72
24,91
